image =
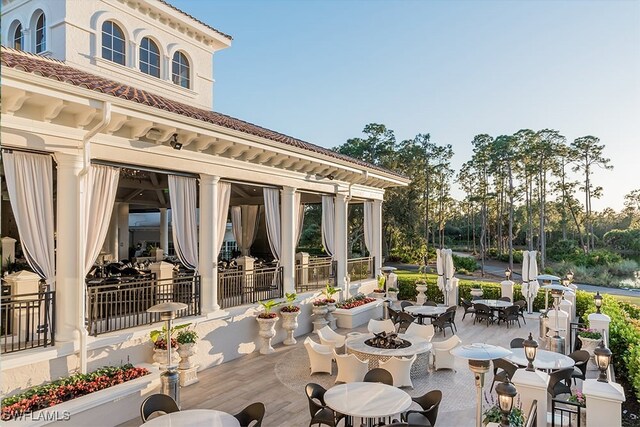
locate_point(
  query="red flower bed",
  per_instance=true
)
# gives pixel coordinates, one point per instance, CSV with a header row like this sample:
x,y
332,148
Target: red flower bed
x,y
65,389
356,303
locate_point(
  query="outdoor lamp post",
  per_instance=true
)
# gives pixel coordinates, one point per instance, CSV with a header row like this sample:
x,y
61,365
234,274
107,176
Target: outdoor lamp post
x,y
598,301
506,392
603,358
479,356
530,349
565,281
170,380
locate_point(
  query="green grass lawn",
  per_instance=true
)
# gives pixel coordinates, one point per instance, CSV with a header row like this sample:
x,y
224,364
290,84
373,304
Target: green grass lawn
x,y
627,298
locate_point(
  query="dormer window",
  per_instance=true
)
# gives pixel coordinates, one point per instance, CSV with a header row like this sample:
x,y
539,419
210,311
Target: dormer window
x,y
41,34
113,43
149,57
18,40
180,70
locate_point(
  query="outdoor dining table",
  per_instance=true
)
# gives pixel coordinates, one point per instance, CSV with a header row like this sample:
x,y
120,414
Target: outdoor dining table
x,y
423,311
194,417
494,303
367,400
545,360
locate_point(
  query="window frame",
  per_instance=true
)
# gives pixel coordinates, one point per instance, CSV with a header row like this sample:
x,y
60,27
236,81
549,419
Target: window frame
x,y
40,34
17,27
107,48
179,78
145,55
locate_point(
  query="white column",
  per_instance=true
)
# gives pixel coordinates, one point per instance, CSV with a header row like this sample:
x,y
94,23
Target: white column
x,y
599,322
69,286
532,386
288,222
377,236
340,239
164,230
604,401
208,232
123,231
8,250
506,289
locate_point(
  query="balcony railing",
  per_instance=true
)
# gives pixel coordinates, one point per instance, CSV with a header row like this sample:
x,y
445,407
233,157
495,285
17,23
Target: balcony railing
x,y
361,268
123,303
239,287
26,320
316,274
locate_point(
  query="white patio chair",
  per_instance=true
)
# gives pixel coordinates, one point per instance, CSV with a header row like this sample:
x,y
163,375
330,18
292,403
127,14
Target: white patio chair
x,y
423,331
441,352
350,368
378,326
331,338
400,370
320,356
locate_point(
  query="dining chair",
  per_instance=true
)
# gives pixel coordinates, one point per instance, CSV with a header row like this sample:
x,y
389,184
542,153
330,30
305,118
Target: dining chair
x,y
379,375
517,343
320,356
581,357
443,321
161,403
254,412
560,382
508,315
502,368
522,306
320,413
404,321
506,299
430,403
452,316
400,370
405,304
442,353
350,368
430,304
331,338
393,314
378,326
423,331
483,312
468,308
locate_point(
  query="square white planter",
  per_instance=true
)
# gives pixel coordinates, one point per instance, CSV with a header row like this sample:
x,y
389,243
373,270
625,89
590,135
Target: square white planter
x,y
354,317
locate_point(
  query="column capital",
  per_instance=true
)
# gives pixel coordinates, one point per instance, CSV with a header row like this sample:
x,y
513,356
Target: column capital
x,y
377,202
289,190
208,179
341,197
68,160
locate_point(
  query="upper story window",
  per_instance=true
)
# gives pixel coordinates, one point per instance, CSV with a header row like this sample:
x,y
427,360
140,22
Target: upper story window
x,y
17,37
149,57
113,43
41,33
180,70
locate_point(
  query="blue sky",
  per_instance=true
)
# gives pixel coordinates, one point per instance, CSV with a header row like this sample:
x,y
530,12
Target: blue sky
x,y
321,70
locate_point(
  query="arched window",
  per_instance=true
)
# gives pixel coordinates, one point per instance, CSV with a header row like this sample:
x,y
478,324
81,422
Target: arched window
x,y
149,57
113,43
41,33
180,69
17,37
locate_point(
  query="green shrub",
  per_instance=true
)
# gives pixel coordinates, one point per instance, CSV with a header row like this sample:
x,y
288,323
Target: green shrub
x,y
465,263
623,240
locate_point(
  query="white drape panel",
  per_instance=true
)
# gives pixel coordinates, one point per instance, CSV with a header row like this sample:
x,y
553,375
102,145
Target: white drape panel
x,y
244,221
224,193
30,185
299,215
101,189
368,226
272,219
328,224
182,194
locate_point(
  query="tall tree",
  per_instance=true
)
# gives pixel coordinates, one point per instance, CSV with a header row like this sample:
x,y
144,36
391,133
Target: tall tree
x,y
481,162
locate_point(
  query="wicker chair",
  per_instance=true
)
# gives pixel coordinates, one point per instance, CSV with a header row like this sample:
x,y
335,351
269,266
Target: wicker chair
x,y
404,320
483,312
506,367
517,343
560,382
430,304
404,304
254,412
508,315
581,357
430,403
319,411
505,299
468,308
522,306
379,375
443,321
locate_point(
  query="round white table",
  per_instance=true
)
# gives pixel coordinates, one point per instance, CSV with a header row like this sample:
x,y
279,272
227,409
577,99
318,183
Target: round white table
x,y
194,417
367,400
493,303
545,360
419,346
423,311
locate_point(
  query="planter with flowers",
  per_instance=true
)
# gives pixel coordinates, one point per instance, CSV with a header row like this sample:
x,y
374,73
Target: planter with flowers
x,y
393,294
476,291
421,287
329,292
380,292
187,348
579,399
267,323
590,339
290,313
357,311
159,340
320,311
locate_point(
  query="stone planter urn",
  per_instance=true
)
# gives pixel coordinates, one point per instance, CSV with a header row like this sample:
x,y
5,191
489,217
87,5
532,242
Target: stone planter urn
x,y
331,307
186,352
267,332
319,311
590,344
476,292
421,297
289,324
160,357
378,295
393,295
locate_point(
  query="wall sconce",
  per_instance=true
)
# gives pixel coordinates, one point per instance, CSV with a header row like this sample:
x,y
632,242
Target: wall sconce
x,y
174,142
602,355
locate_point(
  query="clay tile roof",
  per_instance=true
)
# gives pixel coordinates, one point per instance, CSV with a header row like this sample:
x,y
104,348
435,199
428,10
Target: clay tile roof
x,y
58,70
195,19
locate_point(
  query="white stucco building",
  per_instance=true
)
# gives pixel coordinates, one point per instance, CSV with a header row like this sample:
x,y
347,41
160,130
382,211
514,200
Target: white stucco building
x,y
122,85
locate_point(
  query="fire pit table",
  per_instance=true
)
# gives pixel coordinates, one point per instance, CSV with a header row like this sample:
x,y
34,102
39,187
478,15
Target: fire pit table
x,y
420,347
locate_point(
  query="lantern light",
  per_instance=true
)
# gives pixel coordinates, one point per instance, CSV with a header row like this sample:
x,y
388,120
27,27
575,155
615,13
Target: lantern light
x,y
506,392
507,273
530,349
602,357
598,301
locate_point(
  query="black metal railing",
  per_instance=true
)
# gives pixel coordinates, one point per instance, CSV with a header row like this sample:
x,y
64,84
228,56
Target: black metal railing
x,y
123,304
565,413
27,320
319,272
239,287
361,268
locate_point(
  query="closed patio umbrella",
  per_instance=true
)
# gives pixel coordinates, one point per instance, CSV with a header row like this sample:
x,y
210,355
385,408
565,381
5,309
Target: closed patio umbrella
x,y
533,285
440,269
449,271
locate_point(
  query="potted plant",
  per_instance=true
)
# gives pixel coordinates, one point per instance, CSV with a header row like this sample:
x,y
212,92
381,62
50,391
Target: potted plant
x,y
159,340
494,414
187,347
421,287
590,339
329,292
476,290
393,294
267,322
379,292
290,313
